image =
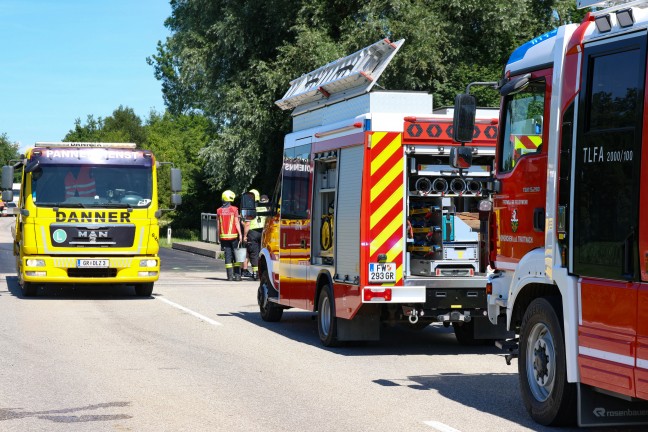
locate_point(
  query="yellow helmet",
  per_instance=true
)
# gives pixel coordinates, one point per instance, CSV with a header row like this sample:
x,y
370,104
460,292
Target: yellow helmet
x,y
228,196
256,194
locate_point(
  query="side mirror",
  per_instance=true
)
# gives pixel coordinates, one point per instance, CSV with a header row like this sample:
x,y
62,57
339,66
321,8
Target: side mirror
x,y
7,177
176,180
461,157
463,121
176,199
515,85
248,206
7,195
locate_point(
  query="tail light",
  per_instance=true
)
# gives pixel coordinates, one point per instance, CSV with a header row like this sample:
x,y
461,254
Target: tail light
x,y
377,294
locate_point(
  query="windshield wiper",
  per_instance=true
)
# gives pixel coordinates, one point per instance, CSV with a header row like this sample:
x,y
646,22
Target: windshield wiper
x,y
56,206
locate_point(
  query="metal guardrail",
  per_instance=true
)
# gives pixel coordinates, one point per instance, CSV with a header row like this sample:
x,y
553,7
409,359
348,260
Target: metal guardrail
x,y
208,227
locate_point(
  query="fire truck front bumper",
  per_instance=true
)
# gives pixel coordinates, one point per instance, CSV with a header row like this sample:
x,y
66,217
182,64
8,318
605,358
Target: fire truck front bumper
x,y
90,270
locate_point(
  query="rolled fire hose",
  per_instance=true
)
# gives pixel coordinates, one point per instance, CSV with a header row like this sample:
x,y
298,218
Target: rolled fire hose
x,y
423,185
458,185
440,185
474,186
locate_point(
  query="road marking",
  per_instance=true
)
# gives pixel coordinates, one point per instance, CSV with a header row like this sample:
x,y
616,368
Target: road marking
x,y
440,426
190,312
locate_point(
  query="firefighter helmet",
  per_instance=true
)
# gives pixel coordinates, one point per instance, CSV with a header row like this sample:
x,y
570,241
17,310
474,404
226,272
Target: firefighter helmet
x,y
228,196
256,194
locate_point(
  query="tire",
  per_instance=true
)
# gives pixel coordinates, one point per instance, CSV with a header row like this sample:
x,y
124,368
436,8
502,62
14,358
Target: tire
x,y
144,289
326,321
548,398
269,311
29,289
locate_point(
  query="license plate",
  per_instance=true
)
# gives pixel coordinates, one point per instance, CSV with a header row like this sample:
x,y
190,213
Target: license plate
x,y
382,272
93,263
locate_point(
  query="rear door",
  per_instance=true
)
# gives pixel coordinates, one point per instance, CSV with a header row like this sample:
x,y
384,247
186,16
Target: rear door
x,y
606,223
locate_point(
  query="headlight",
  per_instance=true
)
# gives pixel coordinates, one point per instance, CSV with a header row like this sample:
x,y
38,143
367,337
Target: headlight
x,y
146,273
35,262
148,263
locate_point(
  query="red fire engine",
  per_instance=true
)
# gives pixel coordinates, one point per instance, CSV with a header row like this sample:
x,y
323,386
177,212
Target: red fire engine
x,y
369,222
570,218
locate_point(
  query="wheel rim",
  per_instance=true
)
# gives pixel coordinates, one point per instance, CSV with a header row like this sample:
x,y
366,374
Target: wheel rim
x,y
541,362
325,316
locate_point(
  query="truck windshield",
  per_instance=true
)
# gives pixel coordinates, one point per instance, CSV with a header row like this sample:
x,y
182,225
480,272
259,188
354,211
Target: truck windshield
x,y
90,186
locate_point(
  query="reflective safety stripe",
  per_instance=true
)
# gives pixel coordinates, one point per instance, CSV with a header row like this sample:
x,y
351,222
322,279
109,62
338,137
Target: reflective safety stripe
x,y
259,221
606,355
386,200
226,222
83,185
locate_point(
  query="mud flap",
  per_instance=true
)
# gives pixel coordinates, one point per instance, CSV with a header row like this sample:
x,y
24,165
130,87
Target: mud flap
x,y
601,409
363,327
484,329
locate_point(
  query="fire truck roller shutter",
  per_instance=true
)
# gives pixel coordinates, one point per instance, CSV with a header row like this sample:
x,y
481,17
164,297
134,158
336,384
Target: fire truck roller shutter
x,y
347,214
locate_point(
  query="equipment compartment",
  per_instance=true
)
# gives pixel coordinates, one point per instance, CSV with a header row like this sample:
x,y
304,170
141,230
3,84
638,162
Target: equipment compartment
x,y
443,216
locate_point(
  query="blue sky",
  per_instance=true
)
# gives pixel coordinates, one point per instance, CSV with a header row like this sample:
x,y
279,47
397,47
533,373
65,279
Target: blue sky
x,y
64,59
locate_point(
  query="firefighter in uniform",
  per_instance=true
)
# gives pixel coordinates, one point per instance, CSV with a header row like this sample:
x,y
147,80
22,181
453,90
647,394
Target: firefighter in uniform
x,y
252,233
229,234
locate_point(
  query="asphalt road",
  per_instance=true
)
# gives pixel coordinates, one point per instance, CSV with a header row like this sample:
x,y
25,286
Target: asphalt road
x,y
197,357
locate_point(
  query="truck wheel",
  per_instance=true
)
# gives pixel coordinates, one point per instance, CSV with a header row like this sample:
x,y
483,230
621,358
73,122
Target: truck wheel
x,y
144,289
547,396
29,289
269,311
326,325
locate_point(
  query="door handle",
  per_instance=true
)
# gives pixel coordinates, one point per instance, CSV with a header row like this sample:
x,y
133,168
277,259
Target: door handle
x,y
303,243
539,219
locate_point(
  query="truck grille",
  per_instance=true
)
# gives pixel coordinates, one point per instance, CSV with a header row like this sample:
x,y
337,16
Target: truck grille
x,y
92,272
92,235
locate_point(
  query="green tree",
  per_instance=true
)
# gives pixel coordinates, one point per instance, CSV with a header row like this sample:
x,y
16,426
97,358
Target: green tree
x,y
89,132
122,126
125,125
9,151
178,139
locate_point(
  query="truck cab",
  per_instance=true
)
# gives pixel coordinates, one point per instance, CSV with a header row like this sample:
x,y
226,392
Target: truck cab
x,y
87,213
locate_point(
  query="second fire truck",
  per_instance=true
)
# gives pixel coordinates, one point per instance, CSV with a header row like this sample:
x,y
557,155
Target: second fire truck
x,y
370,223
